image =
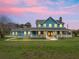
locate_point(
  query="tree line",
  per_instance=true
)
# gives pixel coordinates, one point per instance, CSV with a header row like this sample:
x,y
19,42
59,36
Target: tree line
x,y
6,25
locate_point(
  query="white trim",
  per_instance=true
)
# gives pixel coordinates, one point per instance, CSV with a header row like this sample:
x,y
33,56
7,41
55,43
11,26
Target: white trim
x,y
39,25
50,25
44,25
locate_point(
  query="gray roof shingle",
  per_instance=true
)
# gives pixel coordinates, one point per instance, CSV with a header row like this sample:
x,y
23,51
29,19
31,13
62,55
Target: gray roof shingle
x,y
42,21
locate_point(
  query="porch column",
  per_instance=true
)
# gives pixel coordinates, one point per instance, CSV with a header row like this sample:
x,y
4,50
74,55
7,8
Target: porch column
x,y
45,33
55,33
16,34
29,33
71,34
61,33
39,32
13,33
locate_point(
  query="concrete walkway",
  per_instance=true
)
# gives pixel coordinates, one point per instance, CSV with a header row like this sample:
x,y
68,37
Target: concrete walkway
x,y
10,39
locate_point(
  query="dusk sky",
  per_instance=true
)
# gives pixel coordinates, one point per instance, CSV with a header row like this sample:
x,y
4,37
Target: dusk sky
x,y
22,11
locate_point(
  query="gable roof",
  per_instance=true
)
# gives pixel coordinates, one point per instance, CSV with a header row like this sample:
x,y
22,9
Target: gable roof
x,y
48,19
39,21
43,21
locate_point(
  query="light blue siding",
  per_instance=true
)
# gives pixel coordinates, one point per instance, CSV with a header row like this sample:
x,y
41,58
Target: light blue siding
x,y
49,21
20,33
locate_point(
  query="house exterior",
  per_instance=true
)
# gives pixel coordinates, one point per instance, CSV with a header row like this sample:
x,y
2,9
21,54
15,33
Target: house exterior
x,y
48,29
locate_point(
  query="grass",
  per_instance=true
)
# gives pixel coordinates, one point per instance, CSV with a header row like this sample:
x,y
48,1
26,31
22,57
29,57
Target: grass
x,y
61,49
2,39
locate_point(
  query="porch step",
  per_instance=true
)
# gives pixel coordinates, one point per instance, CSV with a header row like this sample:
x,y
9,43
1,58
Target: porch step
x,y
53,38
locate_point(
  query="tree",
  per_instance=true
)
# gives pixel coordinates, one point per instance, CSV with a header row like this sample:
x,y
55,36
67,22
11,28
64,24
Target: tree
x,y
75,33
1,33
4,28
28,25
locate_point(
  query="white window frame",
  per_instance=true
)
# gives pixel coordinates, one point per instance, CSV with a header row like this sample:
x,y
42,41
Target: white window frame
x,y
55,25
16,33
61,25
50,25
13,33
44,25
28,33
25,33
39,25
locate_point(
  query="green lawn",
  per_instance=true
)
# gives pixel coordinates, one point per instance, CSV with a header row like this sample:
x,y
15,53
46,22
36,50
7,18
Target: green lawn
x,y
61,49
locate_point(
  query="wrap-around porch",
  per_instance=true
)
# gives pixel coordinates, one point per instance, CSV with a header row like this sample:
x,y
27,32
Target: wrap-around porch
x,y
50,34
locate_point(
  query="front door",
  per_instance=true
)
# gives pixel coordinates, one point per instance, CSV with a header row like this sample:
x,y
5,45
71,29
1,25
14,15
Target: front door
x,y
50,34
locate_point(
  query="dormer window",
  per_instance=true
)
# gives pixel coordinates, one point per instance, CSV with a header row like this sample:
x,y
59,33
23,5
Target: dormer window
x,y
39,25
44,25
50,25
55,25
61,25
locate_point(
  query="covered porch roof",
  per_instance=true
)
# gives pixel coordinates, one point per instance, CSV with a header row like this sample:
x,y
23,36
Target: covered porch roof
x,y
41,29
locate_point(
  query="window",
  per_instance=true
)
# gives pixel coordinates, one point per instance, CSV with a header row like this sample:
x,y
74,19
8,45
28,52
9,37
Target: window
x,y
25,33
16,33
39,25
50,25
61,25
28,33
50,33
44,25
55,25
12,33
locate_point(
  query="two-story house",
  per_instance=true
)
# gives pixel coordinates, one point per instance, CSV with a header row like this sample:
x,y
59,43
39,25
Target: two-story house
x,y
48,29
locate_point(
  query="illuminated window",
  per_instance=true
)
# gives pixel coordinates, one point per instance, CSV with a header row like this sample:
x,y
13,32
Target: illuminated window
x,y
25,33
12,33
49,33
16,33
55,25
28,33
50,25
39,25
61,25
44,25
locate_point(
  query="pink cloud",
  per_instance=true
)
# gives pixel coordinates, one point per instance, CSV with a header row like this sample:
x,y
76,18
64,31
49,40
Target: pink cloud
x,y
8,1
31,2
37,10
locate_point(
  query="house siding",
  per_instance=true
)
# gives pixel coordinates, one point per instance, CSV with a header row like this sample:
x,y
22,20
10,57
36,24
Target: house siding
x,y
49,21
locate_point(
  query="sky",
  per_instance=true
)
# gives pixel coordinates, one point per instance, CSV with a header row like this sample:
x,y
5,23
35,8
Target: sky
x,y
23,11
